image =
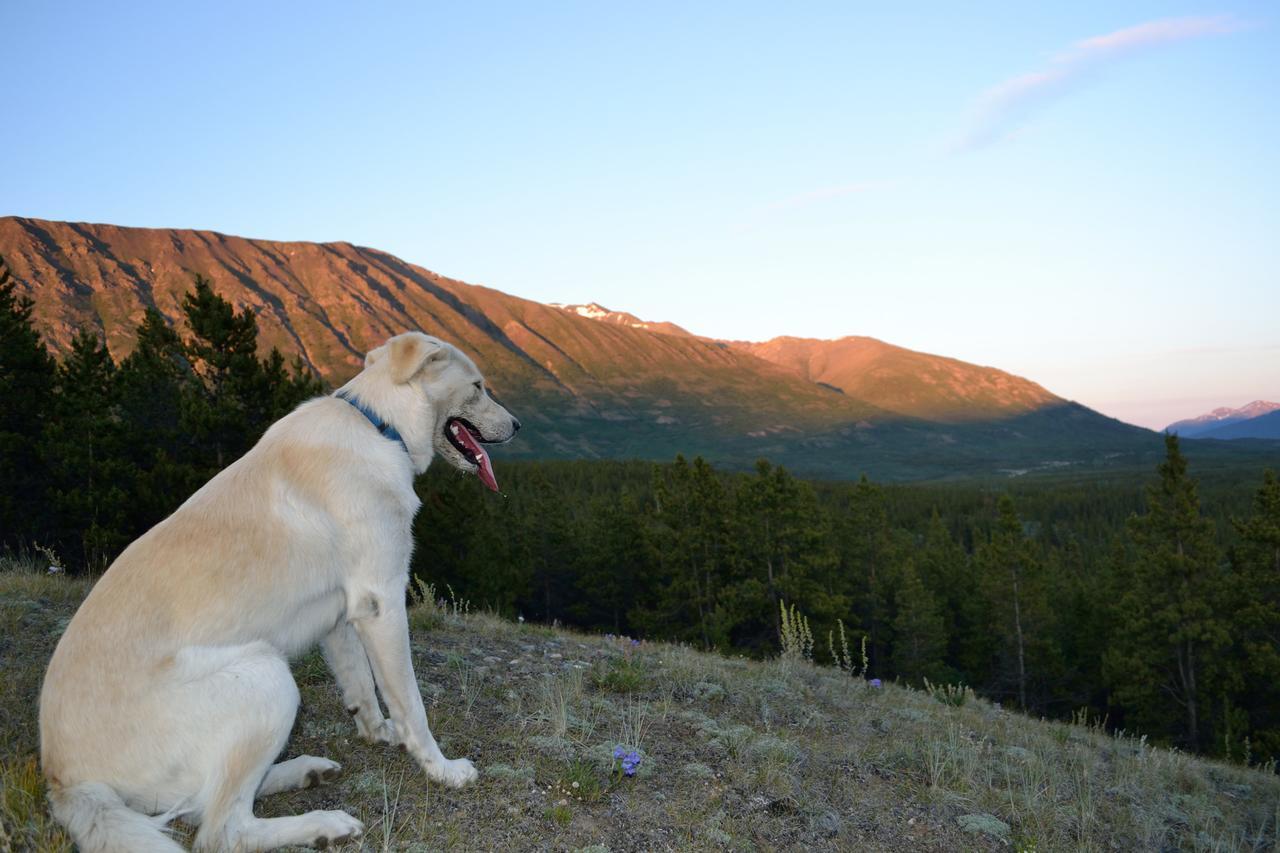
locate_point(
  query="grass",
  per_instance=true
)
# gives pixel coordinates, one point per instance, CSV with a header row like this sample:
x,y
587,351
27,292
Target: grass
x,y
736,754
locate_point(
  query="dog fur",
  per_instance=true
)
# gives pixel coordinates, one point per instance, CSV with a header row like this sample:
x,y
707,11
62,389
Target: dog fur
x,y
169,695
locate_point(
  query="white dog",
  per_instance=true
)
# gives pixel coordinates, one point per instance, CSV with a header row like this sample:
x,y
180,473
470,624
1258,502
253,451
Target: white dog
x,y
169,694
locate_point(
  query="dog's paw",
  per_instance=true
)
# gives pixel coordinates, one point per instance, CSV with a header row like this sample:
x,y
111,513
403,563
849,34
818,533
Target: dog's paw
x,y
455,773
321,770
382,731
333,828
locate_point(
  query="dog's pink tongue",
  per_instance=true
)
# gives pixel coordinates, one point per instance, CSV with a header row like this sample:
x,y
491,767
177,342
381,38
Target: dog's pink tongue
x,y
485,471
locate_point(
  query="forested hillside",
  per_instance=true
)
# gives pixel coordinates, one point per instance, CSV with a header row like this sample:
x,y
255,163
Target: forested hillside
x,y
1154,609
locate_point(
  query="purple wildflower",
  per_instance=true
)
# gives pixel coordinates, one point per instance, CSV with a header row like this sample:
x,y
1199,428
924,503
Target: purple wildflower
x,y
628,760
875,682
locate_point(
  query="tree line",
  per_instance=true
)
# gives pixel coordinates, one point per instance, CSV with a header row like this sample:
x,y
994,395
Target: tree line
x,y
93,452
1065,598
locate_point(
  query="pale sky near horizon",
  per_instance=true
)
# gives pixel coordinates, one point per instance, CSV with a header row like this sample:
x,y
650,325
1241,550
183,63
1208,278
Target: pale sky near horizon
x,y
1087,196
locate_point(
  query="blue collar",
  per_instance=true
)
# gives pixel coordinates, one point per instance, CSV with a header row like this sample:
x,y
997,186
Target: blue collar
x,y
379,424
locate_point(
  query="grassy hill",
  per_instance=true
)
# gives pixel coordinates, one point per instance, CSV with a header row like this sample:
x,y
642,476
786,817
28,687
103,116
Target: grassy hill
x,y
735,754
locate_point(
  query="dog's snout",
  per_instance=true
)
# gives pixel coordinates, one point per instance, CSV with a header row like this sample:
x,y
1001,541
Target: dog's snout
x,y
515,424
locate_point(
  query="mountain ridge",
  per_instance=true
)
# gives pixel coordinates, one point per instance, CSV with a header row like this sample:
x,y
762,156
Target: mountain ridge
x,y
1206,425
586,388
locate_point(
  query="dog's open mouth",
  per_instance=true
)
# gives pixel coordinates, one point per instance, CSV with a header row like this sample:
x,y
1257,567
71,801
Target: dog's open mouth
x,y
466,439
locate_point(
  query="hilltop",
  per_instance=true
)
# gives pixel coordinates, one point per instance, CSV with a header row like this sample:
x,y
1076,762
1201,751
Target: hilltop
x,y
735,754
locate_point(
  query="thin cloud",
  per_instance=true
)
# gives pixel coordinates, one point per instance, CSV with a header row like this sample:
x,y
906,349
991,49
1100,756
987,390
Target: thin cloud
x,y
1004,107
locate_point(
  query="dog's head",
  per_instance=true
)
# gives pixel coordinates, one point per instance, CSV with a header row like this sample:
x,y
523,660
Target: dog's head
x,y
465,417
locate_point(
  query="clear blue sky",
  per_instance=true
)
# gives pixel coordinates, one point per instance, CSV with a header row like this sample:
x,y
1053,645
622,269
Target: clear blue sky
x,y
1087,196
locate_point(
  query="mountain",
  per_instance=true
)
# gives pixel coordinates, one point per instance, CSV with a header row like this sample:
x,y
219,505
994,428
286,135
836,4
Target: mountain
x,y
596,311
910,383
1220,418
585,387
1262,426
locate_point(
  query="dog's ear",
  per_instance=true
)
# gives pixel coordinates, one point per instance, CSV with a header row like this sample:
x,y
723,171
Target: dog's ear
x,y
409,354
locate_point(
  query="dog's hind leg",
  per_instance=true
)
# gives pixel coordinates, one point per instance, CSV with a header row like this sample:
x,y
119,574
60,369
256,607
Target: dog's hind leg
x,y
244,712
347,659
305,771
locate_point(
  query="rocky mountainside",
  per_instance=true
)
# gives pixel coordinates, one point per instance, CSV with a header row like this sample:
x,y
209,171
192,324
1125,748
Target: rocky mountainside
x,y
1207,425
584,388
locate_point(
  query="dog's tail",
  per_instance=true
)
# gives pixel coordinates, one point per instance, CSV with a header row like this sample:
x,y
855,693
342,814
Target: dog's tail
x,y
100,822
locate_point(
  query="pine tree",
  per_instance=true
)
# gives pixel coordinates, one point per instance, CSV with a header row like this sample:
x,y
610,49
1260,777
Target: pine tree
x,y
615,553
234,407
780,551
691,534
27,374
154,384
238,395
1162,664
84,449
1010,576
1255,561
946,570
920,638
868,558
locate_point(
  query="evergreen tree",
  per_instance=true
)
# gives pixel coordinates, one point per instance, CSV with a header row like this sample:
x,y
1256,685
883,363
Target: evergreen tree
x,y
1256,564
867,557
920,638
1010,575
946,570
154,382
1163,665
615,553
782,545
692,536
26,394
543,546
238,396
84,449
235,403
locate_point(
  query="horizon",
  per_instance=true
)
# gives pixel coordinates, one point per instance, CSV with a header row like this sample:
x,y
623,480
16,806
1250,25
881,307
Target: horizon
x,y
1083,197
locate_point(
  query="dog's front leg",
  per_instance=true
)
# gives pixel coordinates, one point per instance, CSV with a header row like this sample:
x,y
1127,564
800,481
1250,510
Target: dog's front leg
x,y
380,620
350,666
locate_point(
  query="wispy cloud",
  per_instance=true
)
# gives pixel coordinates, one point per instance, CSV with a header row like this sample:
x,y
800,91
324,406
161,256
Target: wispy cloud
x,y
1002,109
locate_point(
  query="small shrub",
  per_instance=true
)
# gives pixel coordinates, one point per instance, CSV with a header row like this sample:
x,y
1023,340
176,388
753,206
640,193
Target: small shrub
x,y
622,675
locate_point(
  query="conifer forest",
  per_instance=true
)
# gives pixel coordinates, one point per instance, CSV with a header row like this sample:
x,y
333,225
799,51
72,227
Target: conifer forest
x,y
1149,601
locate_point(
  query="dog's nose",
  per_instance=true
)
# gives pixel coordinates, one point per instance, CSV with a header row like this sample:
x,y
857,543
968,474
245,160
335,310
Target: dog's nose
x,y
515,423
